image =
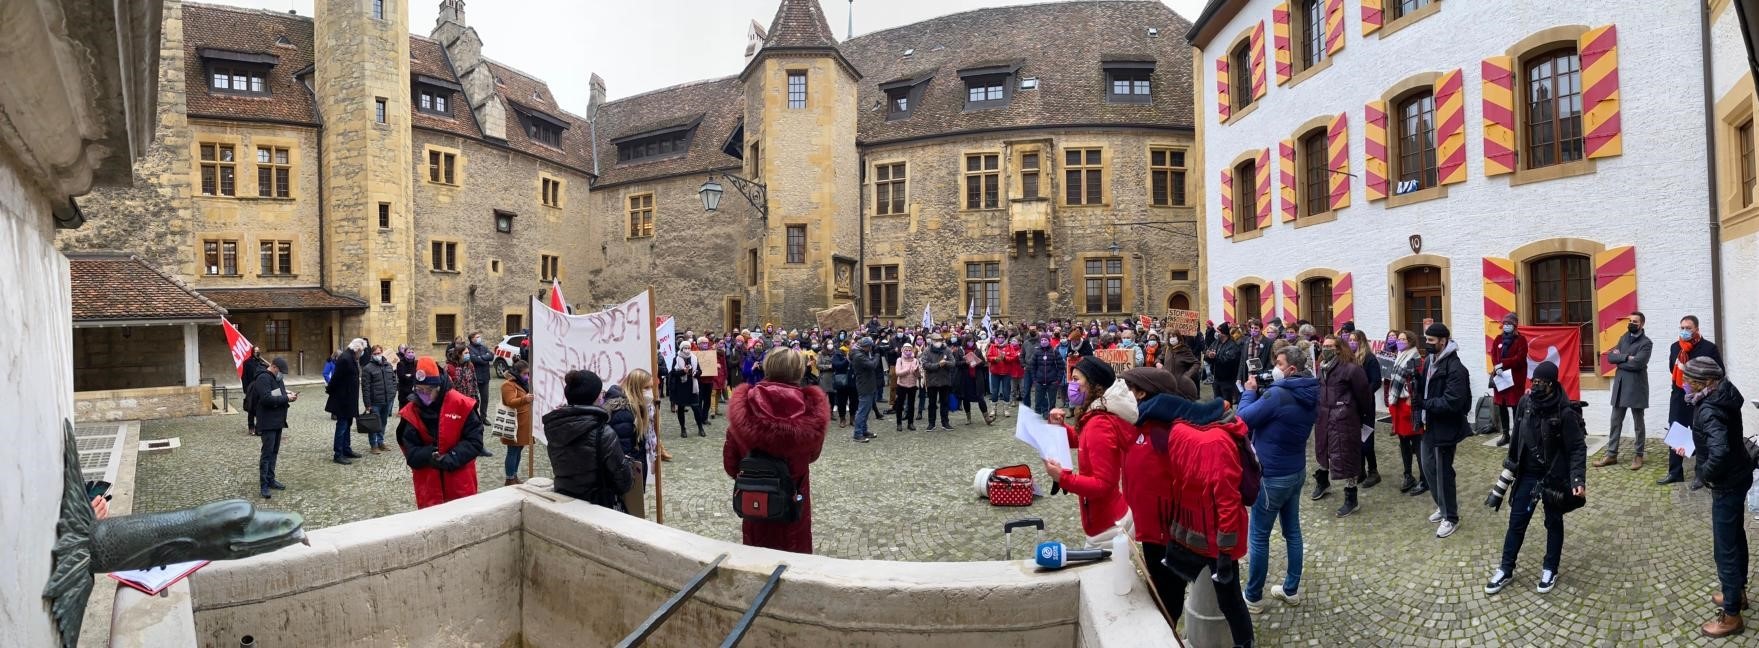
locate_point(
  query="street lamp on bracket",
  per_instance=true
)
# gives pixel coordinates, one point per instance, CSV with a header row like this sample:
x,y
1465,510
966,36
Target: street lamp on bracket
x,y
755,193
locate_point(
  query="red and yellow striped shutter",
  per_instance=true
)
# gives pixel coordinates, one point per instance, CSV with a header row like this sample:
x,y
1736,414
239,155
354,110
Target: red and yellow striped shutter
x,y
1257,58
1499,115
1337,141
1499,301
1291,301
1599,50
1228,304
1263,166
1615,294
1371,16
1222,108
1450,128
1227,200
1343,300
1374,149
1267,301
1334,26
1286,173
1285,57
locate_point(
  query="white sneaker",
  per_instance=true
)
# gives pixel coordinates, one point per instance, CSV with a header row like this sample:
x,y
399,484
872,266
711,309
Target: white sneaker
x,y
1446,529
1255,607
1547,581
1293,600
1498,580
1435,517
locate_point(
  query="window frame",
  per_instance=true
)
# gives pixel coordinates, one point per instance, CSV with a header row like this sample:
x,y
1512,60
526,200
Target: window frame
x,y
884,289
549,267
386,292
1396,9
981,283
891,187
225,171
434,102
1559,147
384,216
1315,303
1032,175
1249,306
1572,291
550,191
381,111
278,335
1105,278
1309,35
275,258
1240,77
442,167
1084,178
1314,184
451,329
798,95
986,180
1429,174
796,243
256,78
443,255
504,221
222,259
1745,163
639,209
378,9
991,83
1139,80
658,146
279,167
1176,192
544,133
1246,196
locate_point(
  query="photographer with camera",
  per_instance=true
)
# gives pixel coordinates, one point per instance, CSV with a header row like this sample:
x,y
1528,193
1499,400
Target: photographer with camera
x,y
1280,416
1547,460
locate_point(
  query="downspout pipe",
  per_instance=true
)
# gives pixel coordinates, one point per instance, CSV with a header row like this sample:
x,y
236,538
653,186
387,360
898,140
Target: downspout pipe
x,y
318,114
1715,208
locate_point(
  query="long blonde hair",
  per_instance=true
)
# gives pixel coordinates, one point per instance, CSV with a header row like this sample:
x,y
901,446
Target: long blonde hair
x,y
638,389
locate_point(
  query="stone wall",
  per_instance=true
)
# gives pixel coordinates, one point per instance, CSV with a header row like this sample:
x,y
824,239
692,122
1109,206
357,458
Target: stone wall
x,y
933,240
706,260
127,357
248,218
498,272
311,337
144,404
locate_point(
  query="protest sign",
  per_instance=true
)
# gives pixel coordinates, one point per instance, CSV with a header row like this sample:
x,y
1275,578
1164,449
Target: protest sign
x,y
610,343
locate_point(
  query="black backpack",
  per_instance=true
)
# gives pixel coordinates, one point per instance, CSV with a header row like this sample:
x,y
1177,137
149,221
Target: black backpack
x,y
764,491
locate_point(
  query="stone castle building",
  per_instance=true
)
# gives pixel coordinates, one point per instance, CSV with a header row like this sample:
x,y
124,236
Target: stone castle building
x,y
334,176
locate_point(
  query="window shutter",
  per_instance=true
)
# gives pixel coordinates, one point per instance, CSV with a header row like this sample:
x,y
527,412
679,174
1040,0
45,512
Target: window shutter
x,y
1499,301
1257,58
1499,115
1334,26
1222,108
1280,38
1450,128
1343,300
1599,50
1615,296
1263,189
1374,149
1371,16
1291,301
1337,142
1267,301
1227,189
1228,304
1286,173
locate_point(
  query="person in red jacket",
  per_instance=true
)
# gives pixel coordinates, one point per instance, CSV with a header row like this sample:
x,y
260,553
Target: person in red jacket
x,y
1164,398
441,437
1000,375
1511,356
1016,370
783,419
1105,421
1208,518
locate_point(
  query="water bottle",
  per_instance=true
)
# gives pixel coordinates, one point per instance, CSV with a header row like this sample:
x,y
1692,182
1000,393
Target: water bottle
x,y
1124,570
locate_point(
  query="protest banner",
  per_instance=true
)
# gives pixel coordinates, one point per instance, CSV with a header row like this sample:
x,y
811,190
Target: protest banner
x,y
710,362
665,335
1183,322
610,343
1562,345
1119,359
240,347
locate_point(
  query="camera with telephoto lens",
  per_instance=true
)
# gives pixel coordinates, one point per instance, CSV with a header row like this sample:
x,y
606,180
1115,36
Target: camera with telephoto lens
x,y
1500,490
1256,371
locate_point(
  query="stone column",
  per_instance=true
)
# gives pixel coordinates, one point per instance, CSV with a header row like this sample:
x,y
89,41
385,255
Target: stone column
x,y
192,366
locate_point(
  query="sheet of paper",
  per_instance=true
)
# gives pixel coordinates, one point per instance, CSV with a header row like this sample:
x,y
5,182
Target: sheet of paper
x,y
1504,379
1680,436
1050,440
152,580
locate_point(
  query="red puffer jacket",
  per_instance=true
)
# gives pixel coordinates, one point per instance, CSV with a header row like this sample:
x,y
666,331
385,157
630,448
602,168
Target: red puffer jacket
x,y
1101,442
1206,514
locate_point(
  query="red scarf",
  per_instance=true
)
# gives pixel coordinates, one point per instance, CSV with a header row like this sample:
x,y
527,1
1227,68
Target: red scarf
x,y
1679,363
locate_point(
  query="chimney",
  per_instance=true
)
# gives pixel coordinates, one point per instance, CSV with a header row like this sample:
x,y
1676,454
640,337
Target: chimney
x,y
595,97
450,11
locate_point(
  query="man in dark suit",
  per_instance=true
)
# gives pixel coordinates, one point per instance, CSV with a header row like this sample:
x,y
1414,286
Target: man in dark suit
x,y
1691,344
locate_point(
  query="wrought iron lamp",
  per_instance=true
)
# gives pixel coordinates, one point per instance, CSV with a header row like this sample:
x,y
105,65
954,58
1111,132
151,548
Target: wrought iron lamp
x,y
755,193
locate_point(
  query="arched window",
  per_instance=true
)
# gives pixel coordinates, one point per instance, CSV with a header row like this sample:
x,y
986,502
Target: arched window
x,y
1563,295
1246,196
1415,128
1247,298
1316,181
1554,107
1316,304
1179,301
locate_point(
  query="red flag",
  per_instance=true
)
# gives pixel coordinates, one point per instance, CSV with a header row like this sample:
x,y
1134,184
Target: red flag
x,y
240,346
1562,345
556,303
1146,321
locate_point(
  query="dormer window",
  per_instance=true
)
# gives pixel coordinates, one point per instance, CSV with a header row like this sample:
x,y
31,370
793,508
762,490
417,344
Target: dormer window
x,y
1129,81
659,143
902,96
988,86
897,103
540,127
430,101
238,72
433,95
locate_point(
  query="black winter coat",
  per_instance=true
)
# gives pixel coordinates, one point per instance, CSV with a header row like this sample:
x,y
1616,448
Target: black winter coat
x,y
378,383
937,366
1226,363
267,401
1677,409
405,381
482,357
1723,462
971,382
1446,391
1046,367
1555,439
586,456
681,385
344,387
869,371
622,421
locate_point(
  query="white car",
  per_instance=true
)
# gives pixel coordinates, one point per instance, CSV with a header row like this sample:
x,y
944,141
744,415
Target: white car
x,y
508,352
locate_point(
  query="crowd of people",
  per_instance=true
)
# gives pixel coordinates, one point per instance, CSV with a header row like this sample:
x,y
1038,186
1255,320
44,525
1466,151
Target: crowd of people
x,y
1198,483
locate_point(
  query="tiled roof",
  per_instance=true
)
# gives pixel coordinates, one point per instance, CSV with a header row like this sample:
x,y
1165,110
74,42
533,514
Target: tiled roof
x,y
1061,44
280,299
249,31
117,286
515,87
800,23
720,103
428,58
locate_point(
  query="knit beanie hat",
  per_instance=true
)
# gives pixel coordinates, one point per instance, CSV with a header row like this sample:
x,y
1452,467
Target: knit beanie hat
x,y
427,372
1097,371
1154,380
1703,369
1439,330
1546,371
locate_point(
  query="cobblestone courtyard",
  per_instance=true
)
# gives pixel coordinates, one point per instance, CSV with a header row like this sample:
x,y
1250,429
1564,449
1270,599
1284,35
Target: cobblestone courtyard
x,y
1636,567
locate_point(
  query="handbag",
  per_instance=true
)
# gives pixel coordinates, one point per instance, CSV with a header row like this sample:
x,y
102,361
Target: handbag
x,y
1010,486
368,423
1562,501
505,425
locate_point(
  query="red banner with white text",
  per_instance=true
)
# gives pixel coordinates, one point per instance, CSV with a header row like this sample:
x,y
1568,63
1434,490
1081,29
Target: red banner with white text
x,y
240,347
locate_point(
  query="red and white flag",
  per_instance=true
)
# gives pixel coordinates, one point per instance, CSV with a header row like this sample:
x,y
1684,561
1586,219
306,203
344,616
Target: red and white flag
x,y
240,346
556,303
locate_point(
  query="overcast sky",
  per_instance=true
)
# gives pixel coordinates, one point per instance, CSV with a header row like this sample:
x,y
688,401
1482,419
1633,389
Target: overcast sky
x,y
650,44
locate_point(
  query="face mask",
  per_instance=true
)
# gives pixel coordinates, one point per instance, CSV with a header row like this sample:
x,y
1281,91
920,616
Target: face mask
x,y
1077,397
1429,349
1632,328
1352,345
908,354
1541,388
1402,345
525,378
425,397
1277,373
940,345
1044,344
1328,355
1508,328
1289,336
1685,334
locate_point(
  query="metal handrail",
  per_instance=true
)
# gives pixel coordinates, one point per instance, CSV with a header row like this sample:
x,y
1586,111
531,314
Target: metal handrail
x,y
667,609
763,597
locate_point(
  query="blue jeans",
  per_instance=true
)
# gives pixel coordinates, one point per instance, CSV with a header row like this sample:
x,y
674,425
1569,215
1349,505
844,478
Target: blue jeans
x,y
1521,504
341,445
1278,501
998,388
376,439
1044,397
513,455
1728,535
862,411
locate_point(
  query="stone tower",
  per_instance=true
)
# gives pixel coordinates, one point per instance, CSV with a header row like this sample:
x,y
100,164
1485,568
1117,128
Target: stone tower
x,y
800,111
362,87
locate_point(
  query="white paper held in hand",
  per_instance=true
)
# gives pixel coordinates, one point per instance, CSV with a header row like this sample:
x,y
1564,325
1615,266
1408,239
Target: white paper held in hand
x,y
1680,436
1504,379
1049,439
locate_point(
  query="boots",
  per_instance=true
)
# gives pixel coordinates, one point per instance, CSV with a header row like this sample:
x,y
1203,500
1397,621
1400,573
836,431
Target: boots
x,y
1408,484
1349,502
1723,625
989,419
968,417
1637,463
1503,441
1606,460
1373,473
1717,599
1321,484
